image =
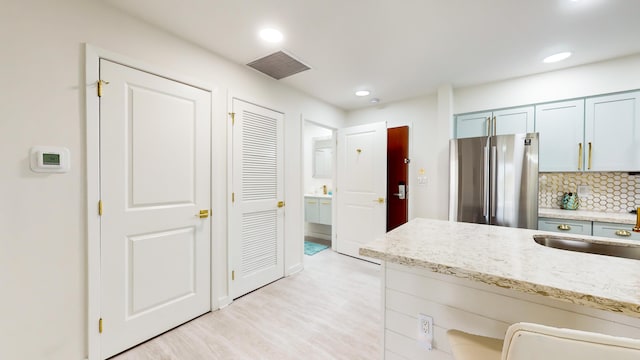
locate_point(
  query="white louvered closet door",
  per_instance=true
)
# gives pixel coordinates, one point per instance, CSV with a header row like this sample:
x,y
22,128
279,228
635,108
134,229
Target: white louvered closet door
x,y
257,220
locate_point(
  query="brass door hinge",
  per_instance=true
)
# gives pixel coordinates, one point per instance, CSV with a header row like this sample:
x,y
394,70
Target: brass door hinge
x,y
100,84
233,118
100,326
100,207
233,274
233,197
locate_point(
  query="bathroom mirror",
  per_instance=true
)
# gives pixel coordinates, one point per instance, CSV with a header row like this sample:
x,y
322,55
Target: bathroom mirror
x,y
322,158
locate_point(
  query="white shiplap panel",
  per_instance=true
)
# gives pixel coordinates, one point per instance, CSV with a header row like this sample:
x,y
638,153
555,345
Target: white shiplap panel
x,y
407,326
409,348
477,308
510,293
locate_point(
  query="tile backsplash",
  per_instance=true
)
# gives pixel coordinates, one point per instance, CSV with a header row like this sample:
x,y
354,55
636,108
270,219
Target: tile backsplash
x,y
610,191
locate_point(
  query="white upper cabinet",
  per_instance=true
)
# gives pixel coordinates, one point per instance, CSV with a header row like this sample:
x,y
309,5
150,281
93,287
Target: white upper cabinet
x,y
513,121
473,125
561,129
499,122
612,132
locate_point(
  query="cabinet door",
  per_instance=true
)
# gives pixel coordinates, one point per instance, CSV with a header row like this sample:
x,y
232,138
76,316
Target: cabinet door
x,y
612,230
324,211
565,226
561,129
473,125
311,209
513,121
612,132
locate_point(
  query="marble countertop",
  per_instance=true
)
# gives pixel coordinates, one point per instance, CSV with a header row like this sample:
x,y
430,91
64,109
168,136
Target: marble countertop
x,y
621,218
509,258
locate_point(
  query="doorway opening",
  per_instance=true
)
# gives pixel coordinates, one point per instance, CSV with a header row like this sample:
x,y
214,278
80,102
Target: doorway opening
x,y
318,181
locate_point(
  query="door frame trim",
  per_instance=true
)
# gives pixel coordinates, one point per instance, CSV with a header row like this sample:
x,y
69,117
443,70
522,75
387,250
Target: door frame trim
x,y
231,95
412,167
334,169
93,55
412,184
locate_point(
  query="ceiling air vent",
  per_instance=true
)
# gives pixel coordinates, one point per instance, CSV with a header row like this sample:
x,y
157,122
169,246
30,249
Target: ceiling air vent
x,y
278,65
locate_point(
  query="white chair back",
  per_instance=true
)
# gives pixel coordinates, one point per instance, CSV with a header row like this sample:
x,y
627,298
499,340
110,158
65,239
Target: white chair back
x,y
526,341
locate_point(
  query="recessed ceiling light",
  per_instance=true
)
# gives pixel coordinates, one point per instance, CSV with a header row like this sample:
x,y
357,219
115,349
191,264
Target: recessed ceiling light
x,y
271,35
556,57
362,92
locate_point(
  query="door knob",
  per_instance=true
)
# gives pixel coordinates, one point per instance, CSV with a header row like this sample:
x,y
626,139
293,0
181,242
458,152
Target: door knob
x,y
203,214
380,200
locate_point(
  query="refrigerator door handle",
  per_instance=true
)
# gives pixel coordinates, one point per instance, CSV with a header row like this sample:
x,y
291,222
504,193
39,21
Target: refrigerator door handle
x,y
485,197
494,180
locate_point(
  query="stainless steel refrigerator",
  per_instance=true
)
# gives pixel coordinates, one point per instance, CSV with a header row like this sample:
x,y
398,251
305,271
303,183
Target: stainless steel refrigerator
x,y
494,180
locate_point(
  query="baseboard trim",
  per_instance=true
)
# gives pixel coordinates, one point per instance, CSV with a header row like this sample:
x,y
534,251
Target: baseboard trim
x,y
223,302
294,269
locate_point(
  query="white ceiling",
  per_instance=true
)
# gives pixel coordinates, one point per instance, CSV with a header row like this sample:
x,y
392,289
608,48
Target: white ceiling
x,y
400,49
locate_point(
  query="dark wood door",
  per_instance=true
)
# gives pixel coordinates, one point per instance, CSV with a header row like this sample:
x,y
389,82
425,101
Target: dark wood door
x,y
397,176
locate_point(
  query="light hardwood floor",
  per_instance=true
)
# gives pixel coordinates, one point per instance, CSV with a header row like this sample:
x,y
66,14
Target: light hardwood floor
x,y
330,310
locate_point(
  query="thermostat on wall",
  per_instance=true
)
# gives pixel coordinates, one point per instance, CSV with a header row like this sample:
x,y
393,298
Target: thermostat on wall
x,y
50,159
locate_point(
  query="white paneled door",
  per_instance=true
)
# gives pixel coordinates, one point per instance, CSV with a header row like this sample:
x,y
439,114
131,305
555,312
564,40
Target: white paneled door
x,y
257,209
155,181
362,187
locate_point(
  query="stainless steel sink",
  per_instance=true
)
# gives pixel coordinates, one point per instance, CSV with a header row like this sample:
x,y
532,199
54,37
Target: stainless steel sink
x,y
629,251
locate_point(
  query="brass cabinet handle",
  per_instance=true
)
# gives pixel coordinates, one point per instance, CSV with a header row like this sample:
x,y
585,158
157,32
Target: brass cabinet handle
x,y
280,204
564,227
589,168
203,214
623,233
580,156
325,203
312,202
379,200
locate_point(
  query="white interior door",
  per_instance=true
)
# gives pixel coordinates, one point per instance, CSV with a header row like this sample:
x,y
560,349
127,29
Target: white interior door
x,y
362,187
155,180
256,217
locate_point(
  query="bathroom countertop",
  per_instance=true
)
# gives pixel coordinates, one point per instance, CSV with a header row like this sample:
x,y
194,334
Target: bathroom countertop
x,y
509,258
611,217
318,196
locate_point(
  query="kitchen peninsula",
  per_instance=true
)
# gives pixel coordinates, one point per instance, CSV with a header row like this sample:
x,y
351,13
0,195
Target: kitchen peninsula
x,y
481,279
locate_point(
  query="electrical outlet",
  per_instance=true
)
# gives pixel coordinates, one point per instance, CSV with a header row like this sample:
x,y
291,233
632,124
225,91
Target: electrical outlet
x,y
425,331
